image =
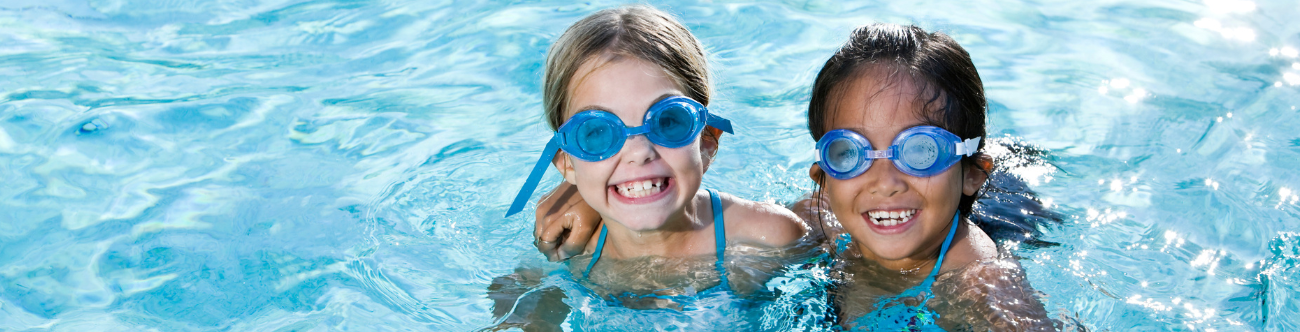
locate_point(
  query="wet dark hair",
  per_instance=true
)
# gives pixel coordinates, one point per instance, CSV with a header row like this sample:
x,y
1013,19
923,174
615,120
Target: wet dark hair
x,y
950,90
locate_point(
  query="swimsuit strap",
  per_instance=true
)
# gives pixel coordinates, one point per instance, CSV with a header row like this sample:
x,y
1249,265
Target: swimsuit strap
x,y
719,233
942,252
600,244
902,317
719,237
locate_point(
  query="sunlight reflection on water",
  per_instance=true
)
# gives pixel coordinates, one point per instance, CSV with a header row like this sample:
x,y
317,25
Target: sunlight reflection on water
x,y
262,165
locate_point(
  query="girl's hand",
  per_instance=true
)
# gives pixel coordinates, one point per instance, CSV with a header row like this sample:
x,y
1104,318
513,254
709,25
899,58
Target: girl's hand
x,y
565,223
815,211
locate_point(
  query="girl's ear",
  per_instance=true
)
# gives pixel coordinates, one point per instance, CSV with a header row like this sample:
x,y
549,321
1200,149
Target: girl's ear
x,y
565,166
976,174
709,145
815,172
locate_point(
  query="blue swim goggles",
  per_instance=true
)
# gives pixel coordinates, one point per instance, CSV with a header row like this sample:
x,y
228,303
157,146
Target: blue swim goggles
x,y
921,151
594,135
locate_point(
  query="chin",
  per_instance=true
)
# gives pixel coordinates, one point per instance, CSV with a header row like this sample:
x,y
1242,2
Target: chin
x,y
888,251
642,223
647,215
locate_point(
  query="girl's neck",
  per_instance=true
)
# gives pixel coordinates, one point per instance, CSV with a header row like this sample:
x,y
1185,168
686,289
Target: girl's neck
x,y
670,240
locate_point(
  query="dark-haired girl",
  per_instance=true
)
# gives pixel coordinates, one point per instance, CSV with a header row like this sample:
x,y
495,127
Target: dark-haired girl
x,y
898,114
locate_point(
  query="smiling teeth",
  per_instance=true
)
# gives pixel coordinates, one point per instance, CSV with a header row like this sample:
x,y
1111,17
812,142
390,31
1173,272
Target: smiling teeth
x,y
638,189
890,218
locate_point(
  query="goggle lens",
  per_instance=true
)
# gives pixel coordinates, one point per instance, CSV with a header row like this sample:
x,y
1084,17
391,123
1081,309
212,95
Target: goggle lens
x,y
674,124
595,136
842,155
920,151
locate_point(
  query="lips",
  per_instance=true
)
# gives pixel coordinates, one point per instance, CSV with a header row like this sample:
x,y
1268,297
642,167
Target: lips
x,y
890,218
642,190
891,221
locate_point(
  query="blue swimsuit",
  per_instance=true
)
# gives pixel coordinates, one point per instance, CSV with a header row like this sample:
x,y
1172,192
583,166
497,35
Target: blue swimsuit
x,y
719,236
892,314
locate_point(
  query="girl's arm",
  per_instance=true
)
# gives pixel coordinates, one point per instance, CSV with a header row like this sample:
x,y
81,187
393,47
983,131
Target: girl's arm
x,y
815,211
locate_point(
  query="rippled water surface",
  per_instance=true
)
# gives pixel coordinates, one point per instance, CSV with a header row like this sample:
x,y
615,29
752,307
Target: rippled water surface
x,y
318,165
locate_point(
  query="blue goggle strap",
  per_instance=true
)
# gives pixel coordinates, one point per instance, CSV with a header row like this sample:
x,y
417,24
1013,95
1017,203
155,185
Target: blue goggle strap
x,y
548,153
720,123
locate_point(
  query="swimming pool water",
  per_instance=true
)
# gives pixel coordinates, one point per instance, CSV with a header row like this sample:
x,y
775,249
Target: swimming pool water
x,y
320,165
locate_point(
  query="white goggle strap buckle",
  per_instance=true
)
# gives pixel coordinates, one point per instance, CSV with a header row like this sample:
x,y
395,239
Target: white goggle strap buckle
x,y
968,147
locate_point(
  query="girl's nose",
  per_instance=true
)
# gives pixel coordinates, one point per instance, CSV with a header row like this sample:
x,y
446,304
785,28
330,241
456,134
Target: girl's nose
x,y
638,150
885,180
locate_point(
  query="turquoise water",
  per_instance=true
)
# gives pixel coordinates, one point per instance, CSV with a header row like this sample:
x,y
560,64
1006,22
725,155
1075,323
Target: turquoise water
x,y
322,165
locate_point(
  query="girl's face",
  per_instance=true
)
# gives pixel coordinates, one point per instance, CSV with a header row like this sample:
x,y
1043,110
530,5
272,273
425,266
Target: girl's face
x,y
891,216
644,185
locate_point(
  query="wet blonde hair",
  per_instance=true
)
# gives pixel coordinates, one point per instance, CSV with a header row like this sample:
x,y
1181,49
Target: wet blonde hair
x,y
638,31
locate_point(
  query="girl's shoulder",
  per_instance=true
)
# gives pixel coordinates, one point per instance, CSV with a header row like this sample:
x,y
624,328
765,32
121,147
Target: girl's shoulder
x,y
971,246
985,288
760,224
991,294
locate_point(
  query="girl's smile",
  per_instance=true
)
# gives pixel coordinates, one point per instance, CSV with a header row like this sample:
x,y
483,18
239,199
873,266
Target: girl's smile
x,y
641,190
890,221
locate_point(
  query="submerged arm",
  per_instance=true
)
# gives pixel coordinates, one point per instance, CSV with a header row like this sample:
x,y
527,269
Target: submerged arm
x,y
517,302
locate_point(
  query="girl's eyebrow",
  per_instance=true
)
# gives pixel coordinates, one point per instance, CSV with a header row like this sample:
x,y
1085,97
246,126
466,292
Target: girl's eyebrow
x,y
662,97
599,108
863,130
594,107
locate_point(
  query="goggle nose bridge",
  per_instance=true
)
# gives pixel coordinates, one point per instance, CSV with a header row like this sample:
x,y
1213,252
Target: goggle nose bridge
x,y
881,154
643,129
